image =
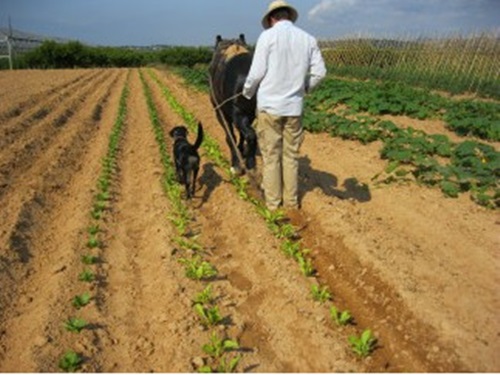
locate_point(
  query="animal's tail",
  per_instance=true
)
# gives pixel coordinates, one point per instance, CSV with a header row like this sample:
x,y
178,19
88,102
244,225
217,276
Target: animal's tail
x,y
199,137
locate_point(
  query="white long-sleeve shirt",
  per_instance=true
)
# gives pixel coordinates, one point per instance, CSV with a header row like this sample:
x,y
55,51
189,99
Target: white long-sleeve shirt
x,y
286,61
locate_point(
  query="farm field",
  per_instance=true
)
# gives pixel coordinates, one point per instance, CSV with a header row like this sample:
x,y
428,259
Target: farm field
x,y
416,268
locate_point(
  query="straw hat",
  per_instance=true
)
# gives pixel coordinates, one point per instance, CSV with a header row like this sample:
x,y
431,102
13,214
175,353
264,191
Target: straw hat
x,y
277,4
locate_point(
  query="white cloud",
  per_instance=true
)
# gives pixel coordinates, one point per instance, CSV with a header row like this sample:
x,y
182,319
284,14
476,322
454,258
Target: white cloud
x,y
387,17
328,8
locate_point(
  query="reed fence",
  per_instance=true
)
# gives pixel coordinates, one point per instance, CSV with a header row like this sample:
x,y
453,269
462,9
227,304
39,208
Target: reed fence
x,y
454,63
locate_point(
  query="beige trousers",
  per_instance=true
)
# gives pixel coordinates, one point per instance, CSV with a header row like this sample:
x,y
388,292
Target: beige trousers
x,y
279,140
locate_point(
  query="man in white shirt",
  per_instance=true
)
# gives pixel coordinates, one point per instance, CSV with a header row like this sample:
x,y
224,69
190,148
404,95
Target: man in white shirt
x,y
287,63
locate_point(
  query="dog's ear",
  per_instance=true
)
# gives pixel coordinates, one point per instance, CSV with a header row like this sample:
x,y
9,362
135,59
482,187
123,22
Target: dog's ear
x,y
171,132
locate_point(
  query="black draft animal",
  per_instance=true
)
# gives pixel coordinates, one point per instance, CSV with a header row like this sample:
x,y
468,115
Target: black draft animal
x,y
186,157
228,71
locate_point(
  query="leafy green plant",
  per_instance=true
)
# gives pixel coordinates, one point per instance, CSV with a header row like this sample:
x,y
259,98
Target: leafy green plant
x,y
286,231
75,324
105,195
320,294
70,362
86,276
188,244
217,346
96,214
93,241
225,365
305,265
205,297
228,365
198,269
93,229
89,259
81,300
290,248
363,345
210,316
241,185
272,218
180,222
342,318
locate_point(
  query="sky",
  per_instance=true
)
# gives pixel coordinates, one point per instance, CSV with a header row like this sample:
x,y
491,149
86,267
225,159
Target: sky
x,y
197,22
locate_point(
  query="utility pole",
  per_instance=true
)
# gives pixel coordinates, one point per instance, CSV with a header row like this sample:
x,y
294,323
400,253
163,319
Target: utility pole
x,y
8,40
9,44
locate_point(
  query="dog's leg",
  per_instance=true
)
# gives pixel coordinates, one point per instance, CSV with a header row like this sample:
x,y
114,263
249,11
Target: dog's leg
x,y
193,183
187,182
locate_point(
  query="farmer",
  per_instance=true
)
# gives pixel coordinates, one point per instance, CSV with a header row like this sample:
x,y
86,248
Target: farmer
x,y
287,64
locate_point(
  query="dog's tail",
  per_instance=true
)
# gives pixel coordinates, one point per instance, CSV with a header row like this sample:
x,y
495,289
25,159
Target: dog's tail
x,y
199,137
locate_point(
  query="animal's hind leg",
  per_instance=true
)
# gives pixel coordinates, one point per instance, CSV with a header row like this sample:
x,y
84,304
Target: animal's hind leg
x,y
235,161
180,175
249,142
193,182
231,142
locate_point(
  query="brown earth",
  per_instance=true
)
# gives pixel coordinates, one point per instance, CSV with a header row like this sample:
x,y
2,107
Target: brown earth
x,y
417,268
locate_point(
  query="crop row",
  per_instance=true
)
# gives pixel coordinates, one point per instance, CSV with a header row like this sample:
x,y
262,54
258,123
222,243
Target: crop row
x,y
277,223
71,360
464,117
434,160
221,351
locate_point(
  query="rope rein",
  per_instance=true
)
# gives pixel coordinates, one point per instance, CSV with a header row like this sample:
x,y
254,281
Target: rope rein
x,y
228,100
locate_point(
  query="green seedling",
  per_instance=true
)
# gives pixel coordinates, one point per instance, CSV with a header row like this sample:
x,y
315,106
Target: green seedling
x,y
241,185
82,300
75,324
197,269
96,214
100,205
103,183
226,366
210,316
188,245
180,223
217,347
320,294
93,229
89,259
305,265
70,362
272,218
363,345
342,318
286,231
86,276
290,248
93,241
103,196
205,297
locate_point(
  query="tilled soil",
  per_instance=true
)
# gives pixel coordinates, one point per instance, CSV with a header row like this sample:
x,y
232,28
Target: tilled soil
x,y
418,269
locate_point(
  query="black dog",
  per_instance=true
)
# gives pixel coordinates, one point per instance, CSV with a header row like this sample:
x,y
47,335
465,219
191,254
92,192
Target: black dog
x,y
186,157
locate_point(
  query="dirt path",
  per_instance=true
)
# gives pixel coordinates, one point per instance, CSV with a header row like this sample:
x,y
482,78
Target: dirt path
x,y
413,266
